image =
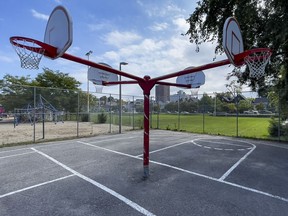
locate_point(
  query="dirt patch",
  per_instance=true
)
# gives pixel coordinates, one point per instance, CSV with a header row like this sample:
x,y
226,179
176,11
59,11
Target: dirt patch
x,y
24,133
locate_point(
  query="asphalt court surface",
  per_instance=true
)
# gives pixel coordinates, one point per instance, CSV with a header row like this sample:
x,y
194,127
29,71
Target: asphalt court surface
x,y
190,174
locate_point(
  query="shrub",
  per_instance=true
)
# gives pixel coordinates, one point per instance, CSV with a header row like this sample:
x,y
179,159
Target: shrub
x,y
273,128
102,117
85,117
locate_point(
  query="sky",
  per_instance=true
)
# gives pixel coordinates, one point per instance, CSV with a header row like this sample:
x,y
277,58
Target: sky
x,y
146,34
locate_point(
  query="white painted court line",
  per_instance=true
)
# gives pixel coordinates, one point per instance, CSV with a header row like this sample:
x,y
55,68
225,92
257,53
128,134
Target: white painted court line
x,y
97,184
105,149
222,143
199,175
15,155
35,186
1,152
168,147
222,178
224,182
108,140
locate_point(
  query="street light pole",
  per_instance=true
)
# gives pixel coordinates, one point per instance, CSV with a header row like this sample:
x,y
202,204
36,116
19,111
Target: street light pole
x,y
88,100
120,98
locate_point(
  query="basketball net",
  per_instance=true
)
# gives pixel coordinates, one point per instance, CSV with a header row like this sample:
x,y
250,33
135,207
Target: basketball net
x,y
29,59
257,62
98,88
194,92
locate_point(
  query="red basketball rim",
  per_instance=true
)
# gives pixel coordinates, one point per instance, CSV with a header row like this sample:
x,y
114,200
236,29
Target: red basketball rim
x,y
239,58
47,49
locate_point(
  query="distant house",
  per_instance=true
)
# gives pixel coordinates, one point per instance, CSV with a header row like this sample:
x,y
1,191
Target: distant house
x,y
264,101
181,95
231,99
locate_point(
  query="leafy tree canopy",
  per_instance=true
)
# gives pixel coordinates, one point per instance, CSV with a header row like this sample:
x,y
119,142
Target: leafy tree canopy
x,y
56,79
263,24
17,91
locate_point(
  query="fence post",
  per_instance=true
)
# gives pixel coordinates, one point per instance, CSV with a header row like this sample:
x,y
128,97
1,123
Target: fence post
x,y
178,112
78,110
110,108
151,111
34,117
279,116
158,113
237,115
203,119
133,112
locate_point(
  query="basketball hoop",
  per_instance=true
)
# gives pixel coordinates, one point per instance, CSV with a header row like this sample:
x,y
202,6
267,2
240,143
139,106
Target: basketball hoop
x,y
98,88
194,92
30,51
256,60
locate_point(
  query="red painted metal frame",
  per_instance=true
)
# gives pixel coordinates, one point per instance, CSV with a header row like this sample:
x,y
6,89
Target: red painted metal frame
x,y
239,59
146,83
49,51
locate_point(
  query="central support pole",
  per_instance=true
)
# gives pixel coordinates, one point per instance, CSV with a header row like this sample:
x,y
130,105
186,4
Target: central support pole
x,y
146,84
146,136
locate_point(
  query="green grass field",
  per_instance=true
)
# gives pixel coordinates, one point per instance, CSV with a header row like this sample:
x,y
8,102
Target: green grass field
x,y
250,127
253,127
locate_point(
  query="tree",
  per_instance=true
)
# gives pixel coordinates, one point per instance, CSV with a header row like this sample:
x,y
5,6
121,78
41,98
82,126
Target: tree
x,y
171,107
16,91
245,105
206,103
263,24
62,91
56,79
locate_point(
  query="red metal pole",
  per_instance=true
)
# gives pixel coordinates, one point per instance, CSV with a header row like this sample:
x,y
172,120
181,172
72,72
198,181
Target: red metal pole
x,y
99,66
193,70
146,135
146,84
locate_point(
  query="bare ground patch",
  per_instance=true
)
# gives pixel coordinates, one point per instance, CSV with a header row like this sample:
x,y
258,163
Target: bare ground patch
x,y
24,133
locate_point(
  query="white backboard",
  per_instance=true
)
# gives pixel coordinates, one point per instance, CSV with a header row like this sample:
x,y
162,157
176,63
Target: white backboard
x,y
59,32
195,79
232,39
96,75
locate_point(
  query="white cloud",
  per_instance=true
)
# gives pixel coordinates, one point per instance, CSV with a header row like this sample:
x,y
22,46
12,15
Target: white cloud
x,y
181,24
99,24
160,10
120,39
39,15
74,49
5,59
159,26
96,27
112,55
158,57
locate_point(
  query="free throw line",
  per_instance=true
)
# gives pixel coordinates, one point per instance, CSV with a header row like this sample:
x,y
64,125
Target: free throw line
x,y
35,186
199,174
97,184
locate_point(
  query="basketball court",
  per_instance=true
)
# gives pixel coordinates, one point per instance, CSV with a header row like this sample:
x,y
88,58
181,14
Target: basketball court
x,y
184,174
190,174
58,37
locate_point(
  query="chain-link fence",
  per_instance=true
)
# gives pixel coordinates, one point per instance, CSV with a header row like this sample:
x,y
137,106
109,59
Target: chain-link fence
x,y
229,114
33,114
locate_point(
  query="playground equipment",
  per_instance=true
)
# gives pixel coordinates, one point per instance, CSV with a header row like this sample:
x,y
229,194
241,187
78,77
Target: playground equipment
x,y
41,112
58,38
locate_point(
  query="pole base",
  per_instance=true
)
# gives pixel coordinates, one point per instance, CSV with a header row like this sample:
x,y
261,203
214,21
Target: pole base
x,y
146,172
